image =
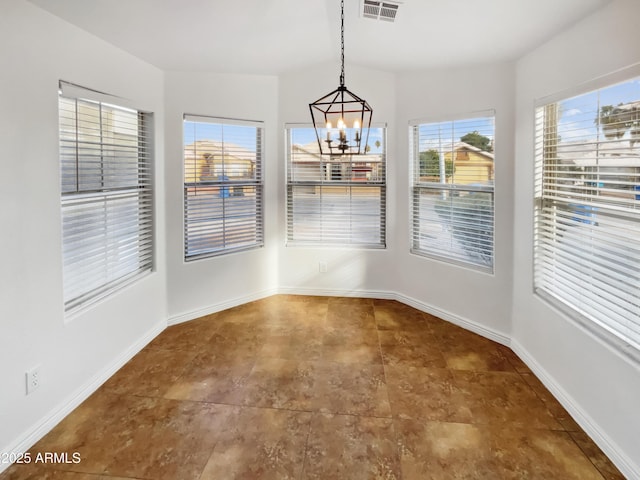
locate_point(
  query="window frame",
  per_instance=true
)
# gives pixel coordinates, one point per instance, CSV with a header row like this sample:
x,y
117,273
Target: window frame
x,y
455,189
352,184
629,348
225,185
98,258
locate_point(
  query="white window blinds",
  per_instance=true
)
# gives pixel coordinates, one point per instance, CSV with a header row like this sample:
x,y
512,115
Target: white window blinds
x,y
222,186
106,195
587,198
453,190
335,199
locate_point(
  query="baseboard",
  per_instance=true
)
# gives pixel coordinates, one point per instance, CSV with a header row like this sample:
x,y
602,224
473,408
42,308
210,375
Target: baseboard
x,y
465,323
412,302
218,307
324,292
64,408
625,464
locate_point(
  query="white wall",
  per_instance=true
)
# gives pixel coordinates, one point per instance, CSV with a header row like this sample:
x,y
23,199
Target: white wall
x,y
600,387
478,300
37,50
349,271
204,286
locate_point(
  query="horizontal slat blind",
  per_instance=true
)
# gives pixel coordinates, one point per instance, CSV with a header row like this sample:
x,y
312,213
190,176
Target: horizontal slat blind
x,y
587,236
341,215
222,186
107,203
453,190
335,199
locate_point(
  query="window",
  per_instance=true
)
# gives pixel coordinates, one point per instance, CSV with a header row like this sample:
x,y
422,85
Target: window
x,y
106,195
222,186
453,190
587,208
335,199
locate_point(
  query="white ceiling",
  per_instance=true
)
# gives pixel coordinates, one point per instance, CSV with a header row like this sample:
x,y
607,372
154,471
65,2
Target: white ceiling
x,y
274,36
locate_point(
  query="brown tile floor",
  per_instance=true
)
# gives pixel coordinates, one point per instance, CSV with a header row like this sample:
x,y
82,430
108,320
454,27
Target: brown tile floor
x,y
294,387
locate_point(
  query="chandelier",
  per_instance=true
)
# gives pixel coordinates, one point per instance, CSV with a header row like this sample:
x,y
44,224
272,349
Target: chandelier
x,y
340,117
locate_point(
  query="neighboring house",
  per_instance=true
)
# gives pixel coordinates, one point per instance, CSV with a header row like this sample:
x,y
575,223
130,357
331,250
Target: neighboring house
x,y
307,163
214,161
614,170
471,164
211,160
310,166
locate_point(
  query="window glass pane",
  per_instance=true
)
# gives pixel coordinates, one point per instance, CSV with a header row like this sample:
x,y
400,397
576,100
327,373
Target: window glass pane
x,y
335,199
105,171
223,186
453,183
587,236
456,225
337,215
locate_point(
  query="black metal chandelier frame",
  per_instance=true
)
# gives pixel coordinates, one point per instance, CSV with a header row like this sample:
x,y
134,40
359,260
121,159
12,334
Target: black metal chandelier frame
x,y
332,113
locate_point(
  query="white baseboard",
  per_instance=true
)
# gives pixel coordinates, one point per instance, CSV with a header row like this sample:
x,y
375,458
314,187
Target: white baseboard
x,y
465,323
625,464
324,292
412,302
218,307
64,408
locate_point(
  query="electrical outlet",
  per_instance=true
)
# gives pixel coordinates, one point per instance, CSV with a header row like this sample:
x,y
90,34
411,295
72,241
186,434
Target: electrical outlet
x,y
33,379
322,267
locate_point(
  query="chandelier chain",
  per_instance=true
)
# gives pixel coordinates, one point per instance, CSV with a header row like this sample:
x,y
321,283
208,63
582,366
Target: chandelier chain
x,y
331,113
342,42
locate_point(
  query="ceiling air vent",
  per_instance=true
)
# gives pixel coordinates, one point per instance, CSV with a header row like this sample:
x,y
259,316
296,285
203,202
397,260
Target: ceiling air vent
x,y
386,11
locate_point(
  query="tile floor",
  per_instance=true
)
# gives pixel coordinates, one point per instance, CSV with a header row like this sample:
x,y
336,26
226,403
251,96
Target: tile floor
x,y
295,387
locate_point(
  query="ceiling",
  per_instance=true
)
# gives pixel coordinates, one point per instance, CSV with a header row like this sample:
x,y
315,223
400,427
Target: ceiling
x,y
275,36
